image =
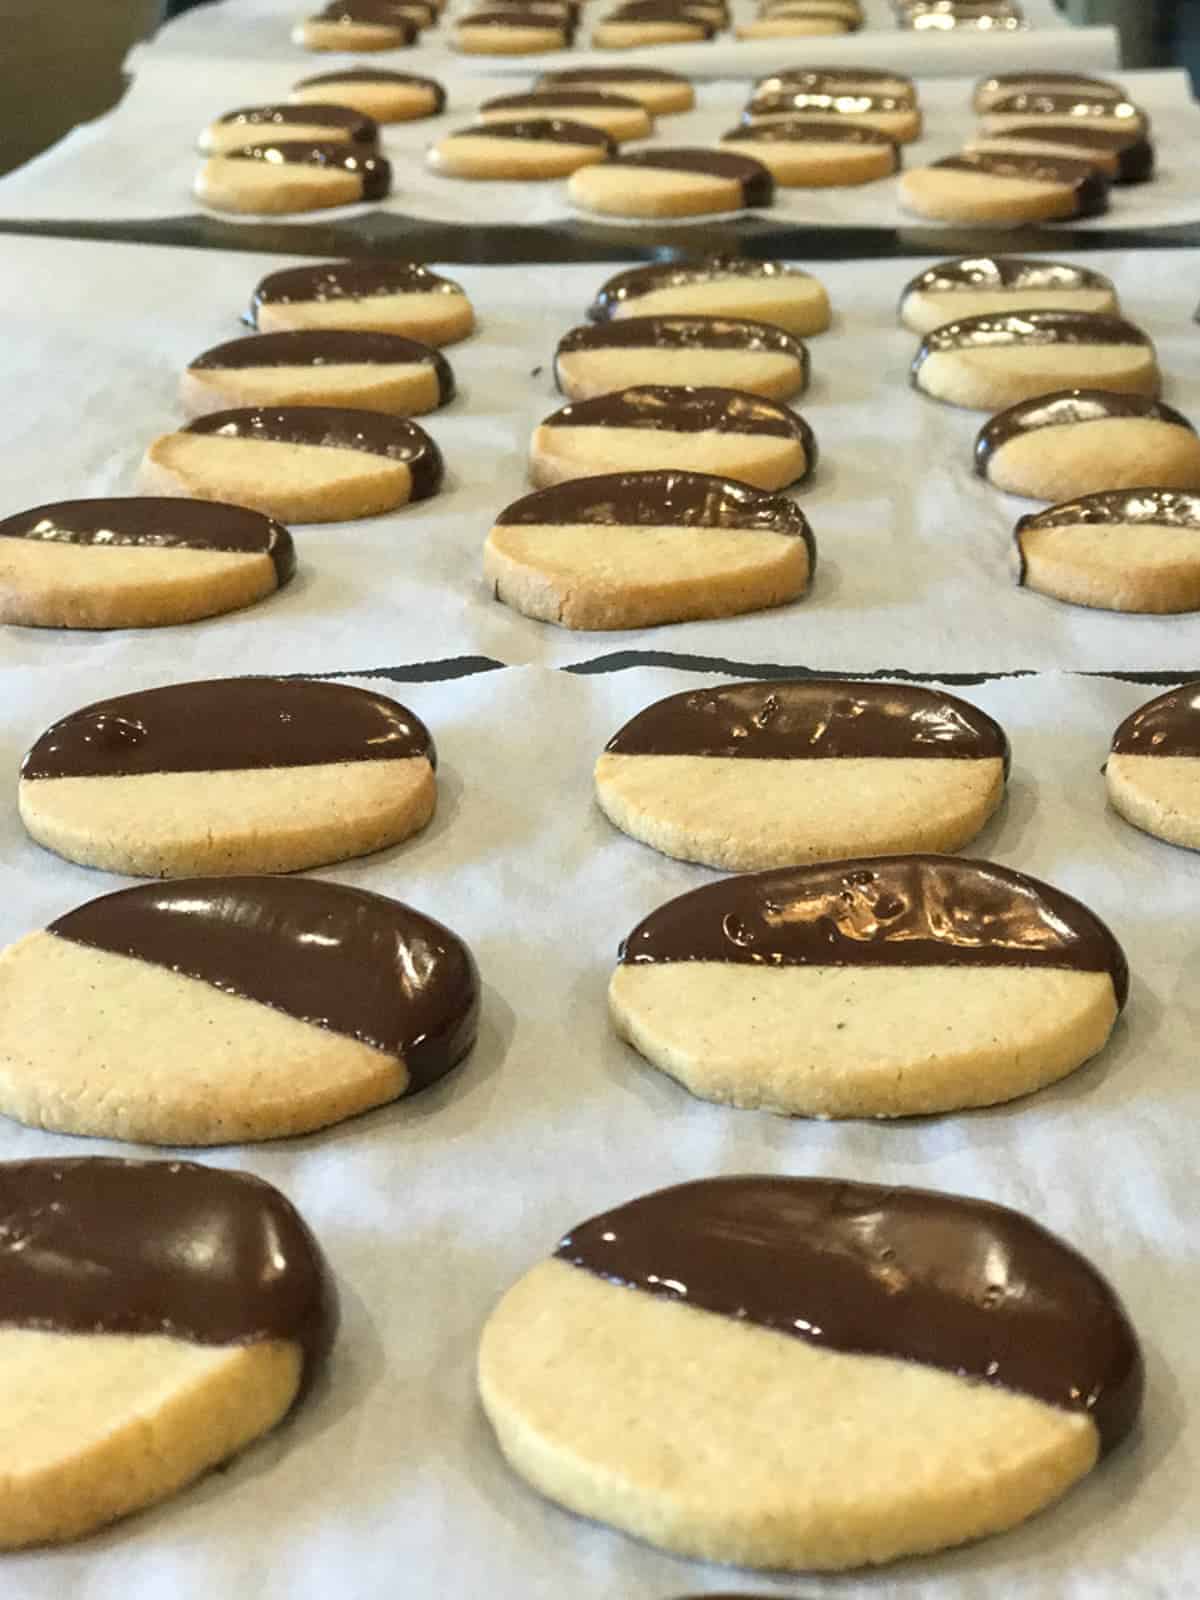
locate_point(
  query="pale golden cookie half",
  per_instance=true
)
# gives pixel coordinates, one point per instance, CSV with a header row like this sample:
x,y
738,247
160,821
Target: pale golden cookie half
x,y
806,1373
167,1315
521,149
384,96
718,286
400,297
1119,550
316,121
1153,771
982,187
229,775
640,23
796,22
510,32
975,286
809,154
292,175
362,26
728,352
618,115
897,115
662,93
679,182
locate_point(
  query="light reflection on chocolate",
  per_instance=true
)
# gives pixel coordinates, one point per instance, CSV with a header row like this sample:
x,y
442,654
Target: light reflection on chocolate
x,y
334,428
1064,408
996,330
373,171
1162,508
326,347
1168,725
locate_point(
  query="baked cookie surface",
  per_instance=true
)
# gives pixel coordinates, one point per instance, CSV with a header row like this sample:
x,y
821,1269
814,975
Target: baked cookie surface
x,y
316,121
1120,550
1153,770
324,367
372,296
983,187
662,93
1002,84
511,32
894,114
618,115
811,154
1066,110
722,286
385,96
726,352
1123,157
978,285
363,25
638,23
520,149
292,175
838,80
661,182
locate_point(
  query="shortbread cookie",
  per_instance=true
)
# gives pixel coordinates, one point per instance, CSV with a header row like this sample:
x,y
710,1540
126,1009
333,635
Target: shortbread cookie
x,y
806,1373
662,93
718,286
809,154
535,147
838,80
1077,441
229,775
374,296
1002,84
884,986
1153,772
672,183
753,775
726,352
223,1010
619,116
1125,157
137,563
981,187
649,22
896,115
1121,550
796,21
630,550
158,1317
510,32
385,96
977,286
292,175
991,362
1064,110
336,367
318,121
650,427
849,12
358,26
297,463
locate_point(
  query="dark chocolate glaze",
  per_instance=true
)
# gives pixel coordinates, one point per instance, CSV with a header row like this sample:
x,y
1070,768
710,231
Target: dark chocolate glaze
x,y
662,11
890,911
378,75
1038,103
814,720
373,171
685,333
563,100
941,1280
613,74
995,329
336,428
669,409
824,80
756,183
516,18
228,725
339,958
635,281
1062,409
811,131
257,120
161,1247
327,347
1003,272
1163,508
1133,151
380,13
1090,187
801,103
1170,724
540,130
158,523
347,280
1075,82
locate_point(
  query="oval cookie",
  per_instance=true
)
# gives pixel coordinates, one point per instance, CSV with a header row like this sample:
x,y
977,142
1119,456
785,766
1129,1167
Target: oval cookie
x,y
294,773
808,1373
754,775
362,25
896,115
1076,441
718,286
618,115
1002,84
662,93
292,175
385,96
511,32
728,352
672,183
805,154
1121,550
1153,772
976,286
374,296
335,367
734,435
532,147
1123,157
315,121
630,550
794,20
885,986
229,1009
1065,109
137,562
649,22
838,80
977,187
989,363
298,463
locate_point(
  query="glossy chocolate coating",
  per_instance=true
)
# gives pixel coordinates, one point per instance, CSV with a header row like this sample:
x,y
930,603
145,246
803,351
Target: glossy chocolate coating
x,y
228,724
379,13
756,183
814,719
154,522
668,409
1064,408
1004,329
1162,508
1170,724
1023,83
801,102
563,100
326,347
1038,103
373,171
346,280
339,958
611,75
1090,187
1133,151
97,1246
827,80
635,281
540,130
1003,272
516,18
889,911
335,428
662,11
948,1282
380,76
811,131
685,333
257,120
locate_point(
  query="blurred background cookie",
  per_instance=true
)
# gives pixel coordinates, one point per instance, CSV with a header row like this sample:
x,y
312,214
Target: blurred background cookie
x,y
662,93
386,96
314,121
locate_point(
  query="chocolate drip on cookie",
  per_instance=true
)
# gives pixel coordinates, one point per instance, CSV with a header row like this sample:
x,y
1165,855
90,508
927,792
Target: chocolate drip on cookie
x,y
684,333
666,408
635,281
348,280
228,724
540,130
334,428
373,170
1004,272
319,347
1170,724
381,76
756,183
1064,408
358,964
257,120
948,1282
996,329
99,1246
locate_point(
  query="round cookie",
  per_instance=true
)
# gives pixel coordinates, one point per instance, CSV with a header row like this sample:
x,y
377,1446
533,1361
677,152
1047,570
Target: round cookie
x,y
1002,84
385,96
1120,550
224,1010
229,775
360,26
372,296
510,32
650,427
980,187
297,463
137,563
632,550
883,986
838,81
1125,157
807,1373
718,286
1153,771
662,93
1064,110
292,175
1076,441
619,116
320,367
896,115
640,23
976,286
808,154
755,775
163,1317
991,362
725,352
534,148
319,121
672,183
